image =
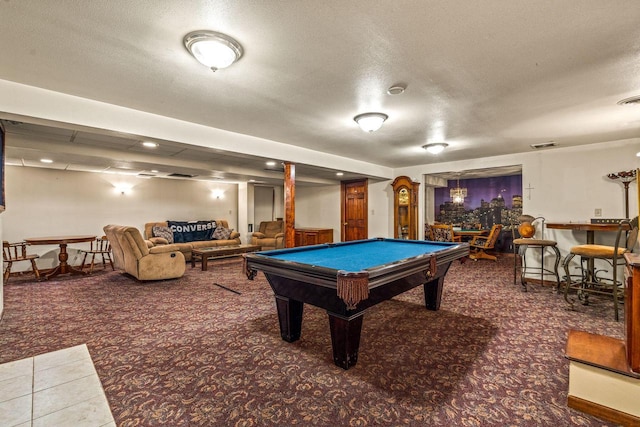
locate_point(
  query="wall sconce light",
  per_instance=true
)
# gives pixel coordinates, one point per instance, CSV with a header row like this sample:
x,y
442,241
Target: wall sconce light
x,y
217,194
213,49
436,147
123,188
370,122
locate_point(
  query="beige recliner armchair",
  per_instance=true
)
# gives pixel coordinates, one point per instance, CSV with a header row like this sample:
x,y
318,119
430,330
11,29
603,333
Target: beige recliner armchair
x,y
132,254
270,235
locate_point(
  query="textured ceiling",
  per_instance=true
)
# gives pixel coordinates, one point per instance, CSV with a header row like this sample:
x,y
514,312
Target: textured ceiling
x,y
488,77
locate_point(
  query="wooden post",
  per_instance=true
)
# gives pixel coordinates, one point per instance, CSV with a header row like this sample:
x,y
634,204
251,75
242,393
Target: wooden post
x,y
289,205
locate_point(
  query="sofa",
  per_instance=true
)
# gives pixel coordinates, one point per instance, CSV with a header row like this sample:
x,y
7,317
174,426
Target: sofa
x,y
132,254
270,235
204,229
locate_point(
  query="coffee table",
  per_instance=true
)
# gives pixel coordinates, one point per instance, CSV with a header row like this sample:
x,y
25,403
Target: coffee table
x,y
216,252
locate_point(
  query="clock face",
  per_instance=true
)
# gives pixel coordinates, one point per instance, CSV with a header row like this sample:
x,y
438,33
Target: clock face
x,y
403,196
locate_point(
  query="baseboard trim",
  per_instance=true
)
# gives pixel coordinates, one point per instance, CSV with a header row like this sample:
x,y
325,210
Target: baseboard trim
x,y
603,412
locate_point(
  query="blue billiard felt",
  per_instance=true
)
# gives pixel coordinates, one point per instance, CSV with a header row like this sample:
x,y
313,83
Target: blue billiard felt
x,y
360,256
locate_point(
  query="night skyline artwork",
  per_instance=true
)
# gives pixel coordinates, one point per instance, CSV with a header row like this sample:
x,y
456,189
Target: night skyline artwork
x,y
479,189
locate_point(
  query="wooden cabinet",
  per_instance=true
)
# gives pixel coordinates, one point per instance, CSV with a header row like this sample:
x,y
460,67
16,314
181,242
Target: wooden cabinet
x,y
313,236
405,208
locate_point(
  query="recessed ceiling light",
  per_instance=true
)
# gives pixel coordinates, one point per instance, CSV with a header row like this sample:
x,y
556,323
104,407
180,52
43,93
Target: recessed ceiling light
x,y
150,144
46,160
271,163
396,89
339,173
154,171
435,147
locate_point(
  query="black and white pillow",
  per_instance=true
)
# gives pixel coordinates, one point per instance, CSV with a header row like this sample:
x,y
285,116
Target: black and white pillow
x,y
164,232
222,233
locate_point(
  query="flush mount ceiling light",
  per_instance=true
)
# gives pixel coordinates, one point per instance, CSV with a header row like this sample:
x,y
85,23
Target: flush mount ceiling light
x,y
634,100
213,49
370,122
150,144
396,89
436,147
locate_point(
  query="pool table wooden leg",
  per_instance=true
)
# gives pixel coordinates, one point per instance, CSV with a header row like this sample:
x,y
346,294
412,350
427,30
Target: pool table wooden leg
x,y
345,339
290,318
433,293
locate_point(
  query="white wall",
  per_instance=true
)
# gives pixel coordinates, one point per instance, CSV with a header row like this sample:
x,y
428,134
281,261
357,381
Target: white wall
x,y
1,276
264,204
319,207
380,209
568,184
48,202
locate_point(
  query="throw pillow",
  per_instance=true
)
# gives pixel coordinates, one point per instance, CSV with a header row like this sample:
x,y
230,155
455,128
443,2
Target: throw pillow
x,y
192,231
222,233
164,232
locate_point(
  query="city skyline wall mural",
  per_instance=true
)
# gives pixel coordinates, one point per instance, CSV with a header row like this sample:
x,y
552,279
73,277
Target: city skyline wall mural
x,y
488,201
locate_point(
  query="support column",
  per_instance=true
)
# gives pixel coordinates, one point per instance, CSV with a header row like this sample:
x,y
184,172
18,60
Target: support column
x,y
289,205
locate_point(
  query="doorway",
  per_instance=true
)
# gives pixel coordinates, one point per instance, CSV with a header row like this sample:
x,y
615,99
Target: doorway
x,y
264,204
354,220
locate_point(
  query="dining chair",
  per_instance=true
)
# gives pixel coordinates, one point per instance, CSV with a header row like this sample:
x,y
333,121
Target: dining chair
x,y
480,244
101,247
525,240
592,281
443,233
17,252
427,231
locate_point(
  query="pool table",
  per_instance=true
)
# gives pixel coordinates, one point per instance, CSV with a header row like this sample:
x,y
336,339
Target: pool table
x,y
347,278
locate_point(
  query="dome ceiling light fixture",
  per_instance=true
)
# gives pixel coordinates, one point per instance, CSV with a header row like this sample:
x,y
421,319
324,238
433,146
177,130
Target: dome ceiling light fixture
x,y
634,100
396,89
370,122
435,147
213,49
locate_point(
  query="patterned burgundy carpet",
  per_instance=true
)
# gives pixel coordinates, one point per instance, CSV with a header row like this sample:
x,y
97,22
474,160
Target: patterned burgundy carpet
x,y
188,353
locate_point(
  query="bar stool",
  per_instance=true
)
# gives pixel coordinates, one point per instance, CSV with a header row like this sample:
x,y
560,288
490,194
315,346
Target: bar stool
x,y
590,282
526,241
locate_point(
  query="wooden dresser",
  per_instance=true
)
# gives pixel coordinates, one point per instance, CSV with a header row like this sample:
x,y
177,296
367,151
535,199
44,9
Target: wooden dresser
x,y
313,236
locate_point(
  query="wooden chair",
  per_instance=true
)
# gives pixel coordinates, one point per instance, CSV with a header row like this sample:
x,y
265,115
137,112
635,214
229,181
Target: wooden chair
x,y
102,247
443,233
16,252
480,244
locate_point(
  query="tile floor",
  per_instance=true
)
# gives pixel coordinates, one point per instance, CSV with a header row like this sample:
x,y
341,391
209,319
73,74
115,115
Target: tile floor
x,y
59,389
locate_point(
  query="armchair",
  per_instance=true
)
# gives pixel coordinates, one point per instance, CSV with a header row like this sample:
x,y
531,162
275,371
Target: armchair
x,y
270,235
132,254
480,244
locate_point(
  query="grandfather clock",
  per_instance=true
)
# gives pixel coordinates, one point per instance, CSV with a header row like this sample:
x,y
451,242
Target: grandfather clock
x,y
405,208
